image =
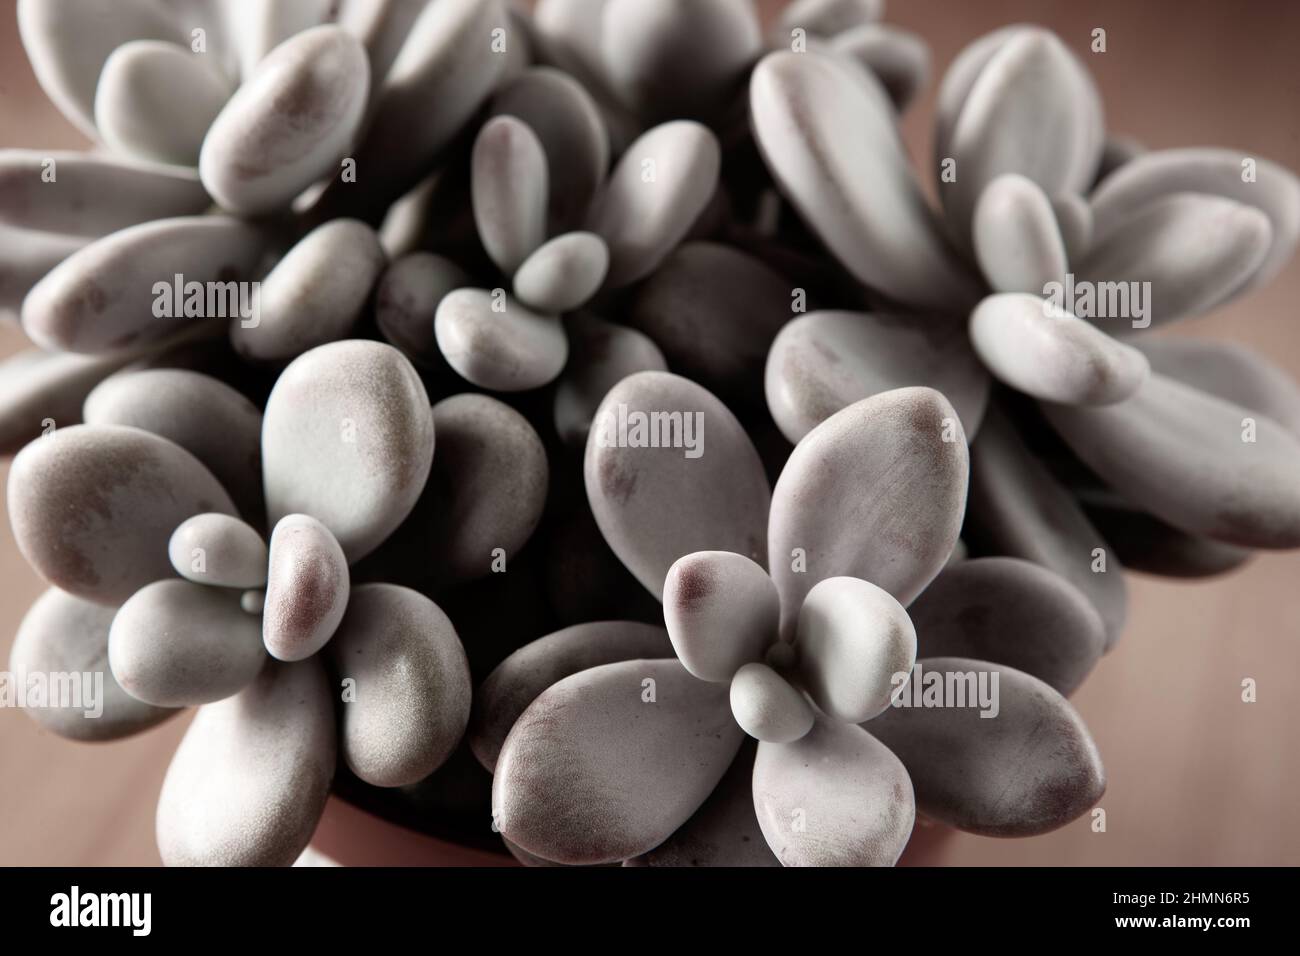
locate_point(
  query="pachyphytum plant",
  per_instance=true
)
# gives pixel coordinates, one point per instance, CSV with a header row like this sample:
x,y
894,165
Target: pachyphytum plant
x,y
776,450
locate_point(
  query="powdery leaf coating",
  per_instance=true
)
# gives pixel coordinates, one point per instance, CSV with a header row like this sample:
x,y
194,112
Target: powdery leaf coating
x,y
593,772
659,187
714,311
177,643
823,362
68,62
1018,509
1045,352
307,586
568,123
102,296
654,505
509,189
446,46
347,437
412,685
724,831
93,507
1029,107
233,553
1017,241
289,124
828,17
722,612
315,294
1195,251
62,634
519,679
852,638
36,385
1178,453
766,707
1230,371
1012,612
851,794
874,492
1031,769
601,355
561,275
827,132
1147,177
407,300
900,59
513,350
205,416
156,100
677,58
96,194
249,781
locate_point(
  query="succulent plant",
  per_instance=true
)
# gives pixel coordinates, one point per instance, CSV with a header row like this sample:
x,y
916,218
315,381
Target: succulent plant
x,y
856,455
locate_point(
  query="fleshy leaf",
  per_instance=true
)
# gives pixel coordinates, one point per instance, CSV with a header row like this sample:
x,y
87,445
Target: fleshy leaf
x,y
249,781
836,797
608,763
722,611
826,130
877,492
1202,464
655,504
1030,768
1014,612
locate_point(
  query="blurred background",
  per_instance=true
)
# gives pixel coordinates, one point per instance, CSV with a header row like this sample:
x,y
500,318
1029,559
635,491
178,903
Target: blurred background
x,y
1196,776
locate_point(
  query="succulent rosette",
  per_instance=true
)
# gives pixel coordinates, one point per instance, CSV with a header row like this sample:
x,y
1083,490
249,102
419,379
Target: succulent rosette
x,y
376,338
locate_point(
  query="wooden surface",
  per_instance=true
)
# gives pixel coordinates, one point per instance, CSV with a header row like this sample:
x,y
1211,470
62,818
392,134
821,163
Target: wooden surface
x,y
1196,776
